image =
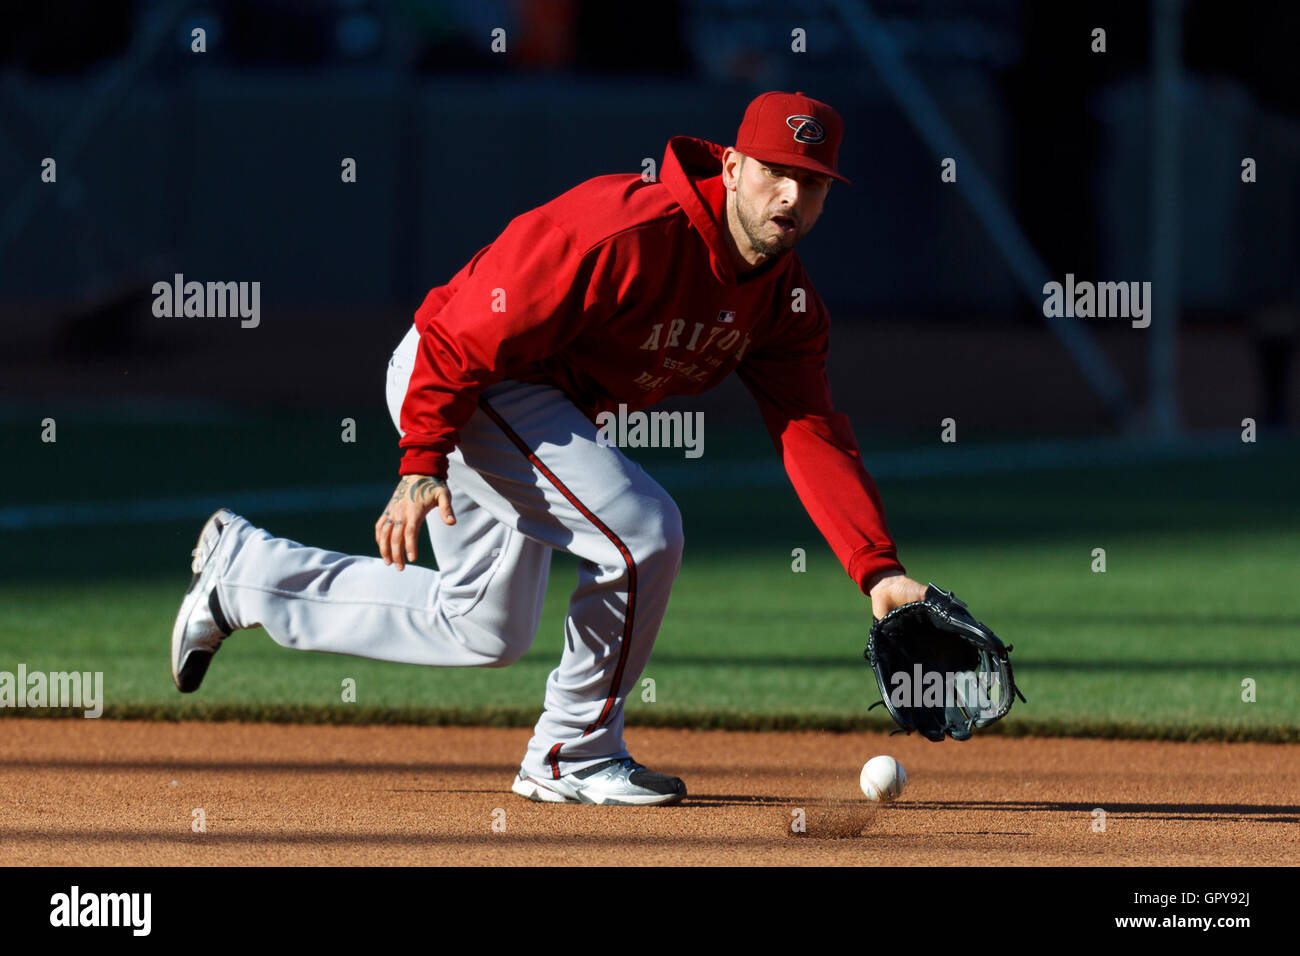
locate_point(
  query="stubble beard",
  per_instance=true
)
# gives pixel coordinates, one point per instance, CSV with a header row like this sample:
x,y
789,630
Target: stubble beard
x,y
752,227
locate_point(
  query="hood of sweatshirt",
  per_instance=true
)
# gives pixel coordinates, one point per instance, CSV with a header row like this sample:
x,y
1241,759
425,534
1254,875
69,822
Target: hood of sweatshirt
x,y
692,171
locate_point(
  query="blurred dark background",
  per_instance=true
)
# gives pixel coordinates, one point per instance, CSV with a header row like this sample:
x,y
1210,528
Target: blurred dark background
x,y
225,165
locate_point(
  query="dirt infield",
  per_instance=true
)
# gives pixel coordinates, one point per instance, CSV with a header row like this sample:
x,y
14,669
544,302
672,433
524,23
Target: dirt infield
x,y
99,792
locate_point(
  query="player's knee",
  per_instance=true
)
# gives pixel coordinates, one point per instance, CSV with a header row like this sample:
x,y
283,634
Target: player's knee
x,y
673,533
660,538
499,652
495,641
507,655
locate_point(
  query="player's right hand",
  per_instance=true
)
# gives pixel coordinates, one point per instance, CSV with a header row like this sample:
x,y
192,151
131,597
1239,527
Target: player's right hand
x,y
397,532
892,589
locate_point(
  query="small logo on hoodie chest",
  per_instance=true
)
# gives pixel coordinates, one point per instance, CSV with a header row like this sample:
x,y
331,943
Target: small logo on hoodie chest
x,y
694,350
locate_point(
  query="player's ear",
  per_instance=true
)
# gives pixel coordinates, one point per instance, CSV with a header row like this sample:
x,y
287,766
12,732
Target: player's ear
x,y
733,163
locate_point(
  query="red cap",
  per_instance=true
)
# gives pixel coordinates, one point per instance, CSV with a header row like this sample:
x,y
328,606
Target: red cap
x,y
790,129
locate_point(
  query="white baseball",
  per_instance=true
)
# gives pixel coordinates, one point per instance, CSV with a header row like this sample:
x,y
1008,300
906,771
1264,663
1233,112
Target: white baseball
x,y
883,779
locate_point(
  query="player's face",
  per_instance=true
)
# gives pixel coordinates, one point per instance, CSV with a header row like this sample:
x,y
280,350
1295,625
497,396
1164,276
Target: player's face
x,y
777,205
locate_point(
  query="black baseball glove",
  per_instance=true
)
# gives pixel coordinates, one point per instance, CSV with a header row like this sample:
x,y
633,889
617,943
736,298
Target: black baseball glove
x,y
939,670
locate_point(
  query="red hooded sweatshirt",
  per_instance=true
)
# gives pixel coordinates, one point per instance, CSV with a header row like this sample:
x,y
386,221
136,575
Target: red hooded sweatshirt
x,y
622,291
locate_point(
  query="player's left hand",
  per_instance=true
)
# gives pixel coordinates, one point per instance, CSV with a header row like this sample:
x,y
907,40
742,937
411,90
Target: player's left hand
x,y
893,589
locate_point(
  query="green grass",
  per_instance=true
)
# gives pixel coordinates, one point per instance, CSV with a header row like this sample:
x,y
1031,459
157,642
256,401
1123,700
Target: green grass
x,y
1199,593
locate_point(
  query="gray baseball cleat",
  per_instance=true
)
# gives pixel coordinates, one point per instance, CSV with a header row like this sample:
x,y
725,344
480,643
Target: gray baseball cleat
x,y
200,624
618,782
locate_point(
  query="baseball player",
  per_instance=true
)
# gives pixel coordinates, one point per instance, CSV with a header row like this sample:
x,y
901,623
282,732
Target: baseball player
x,y
619,291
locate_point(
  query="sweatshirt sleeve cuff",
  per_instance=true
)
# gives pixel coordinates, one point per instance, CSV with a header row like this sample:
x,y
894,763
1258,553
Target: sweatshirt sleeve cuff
x,y
870,560
416,462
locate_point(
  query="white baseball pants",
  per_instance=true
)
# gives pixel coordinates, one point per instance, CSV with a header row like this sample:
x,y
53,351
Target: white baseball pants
x,y
527,478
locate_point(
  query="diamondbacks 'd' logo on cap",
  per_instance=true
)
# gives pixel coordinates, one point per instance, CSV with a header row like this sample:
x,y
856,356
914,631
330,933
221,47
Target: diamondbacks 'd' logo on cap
x,y
806,128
